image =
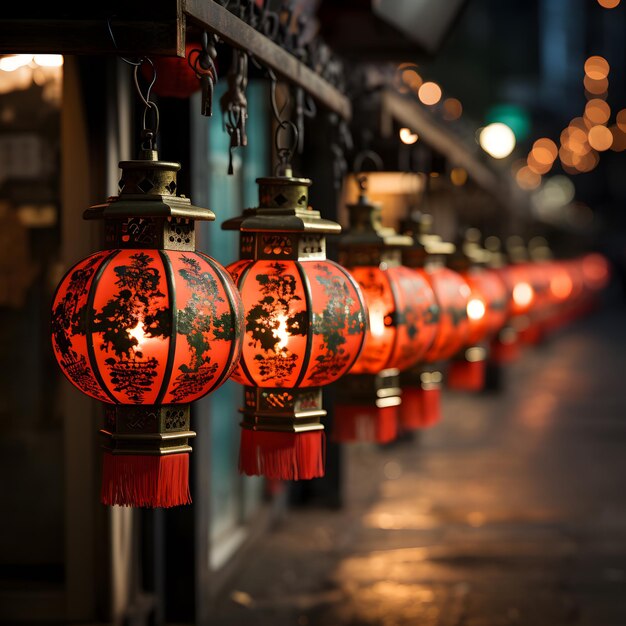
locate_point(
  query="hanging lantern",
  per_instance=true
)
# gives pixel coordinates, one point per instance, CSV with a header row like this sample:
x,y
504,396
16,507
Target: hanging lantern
x,y
147,326
304,328
486,313
403,316
421,385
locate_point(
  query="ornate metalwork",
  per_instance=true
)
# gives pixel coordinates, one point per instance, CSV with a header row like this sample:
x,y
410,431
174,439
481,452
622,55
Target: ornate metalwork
x,y
283,410
147,429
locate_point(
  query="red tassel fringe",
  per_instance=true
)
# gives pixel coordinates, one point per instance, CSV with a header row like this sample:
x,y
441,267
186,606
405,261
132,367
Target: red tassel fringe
x,y
282,456
363,423
467,375
145,480
421,408
504,353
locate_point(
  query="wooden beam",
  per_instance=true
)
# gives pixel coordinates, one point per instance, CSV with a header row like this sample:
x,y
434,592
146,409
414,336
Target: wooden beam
x,y
209,15
140,27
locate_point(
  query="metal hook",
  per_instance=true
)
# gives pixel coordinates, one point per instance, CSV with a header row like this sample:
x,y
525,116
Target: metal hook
x,y
360,176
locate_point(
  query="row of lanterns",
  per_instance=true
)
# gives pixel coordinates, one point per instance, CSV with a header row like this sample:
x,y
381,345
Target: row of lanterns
x,y
150,325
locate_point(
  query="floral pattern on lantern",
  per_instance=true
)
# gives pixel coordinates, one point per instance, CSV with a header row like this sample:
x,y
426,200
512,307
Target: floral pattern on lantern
x,y
288,343
146,326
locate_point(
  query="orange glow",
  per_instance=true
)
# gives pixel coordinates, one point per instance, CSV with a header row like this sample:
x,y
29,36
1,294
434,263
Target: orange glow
x,y
452,109
600,138
561,286
429,93
475,309
620,118
597,68
598,87
545,151
458,176
408,137
609,4
575,140
595,270
407,78
527,179
597,111
523,294
619,139
587,162
536,166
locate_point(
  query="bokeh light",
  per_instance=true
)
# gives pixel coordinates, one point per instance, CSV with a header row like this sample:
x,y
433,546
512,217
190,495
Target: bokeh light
x,y
600,138
458,176
597,68
407,136
497,140
609,4
527,179
597,111
429,93
452,109
619,138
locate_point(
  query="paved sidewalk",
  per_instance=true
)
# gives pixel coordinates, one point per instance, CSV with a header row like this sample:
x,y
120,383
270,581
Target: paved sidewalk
x,y
511,512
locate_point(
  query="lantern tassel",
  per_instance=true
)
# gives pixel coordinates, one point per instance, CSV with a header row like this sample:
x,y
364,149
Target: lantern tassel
x,y
421,408
281,455
466,375
145,480
363,423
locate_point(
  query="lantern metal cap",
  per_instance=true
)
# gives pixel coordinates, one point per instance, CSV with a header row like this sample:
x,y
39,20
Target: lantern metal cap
x,y
470,253
148,189
283,207
425,246
366,228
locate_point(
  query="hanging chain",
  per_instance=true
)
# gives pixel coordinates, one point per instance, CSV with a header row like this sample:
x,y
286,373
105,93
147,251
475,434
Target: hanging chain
x,y
148,132
286,135
342,142
234,104
202,62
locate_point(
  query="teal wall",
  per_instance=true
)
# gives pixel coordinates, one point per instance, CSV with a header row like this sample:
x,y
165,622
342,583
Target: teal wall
x,y
233,498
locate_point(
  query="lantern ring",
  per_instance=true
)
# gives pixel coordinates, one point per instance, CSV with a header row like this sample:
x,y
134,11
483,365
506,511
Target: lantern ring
x,y
285,152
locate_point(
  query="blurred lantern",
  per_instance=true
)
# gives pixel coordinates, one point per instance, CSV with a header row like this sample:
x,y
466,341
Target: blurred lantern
x,y
402,317
181,77
421,385
304,328
147,326
518,277
486,313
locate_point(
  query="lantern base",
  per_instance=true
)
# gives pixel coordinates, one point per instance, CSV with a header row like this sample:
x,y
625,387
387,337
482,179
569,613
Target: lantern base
x,y
365,423
145,480
467,373
282,437
421,398
505,348
282,455
367,408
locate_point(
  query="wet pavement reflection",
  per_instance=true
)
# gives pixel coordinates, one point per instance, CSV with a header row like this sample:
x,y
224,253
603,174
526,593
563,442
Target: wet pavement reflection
x,y
511,512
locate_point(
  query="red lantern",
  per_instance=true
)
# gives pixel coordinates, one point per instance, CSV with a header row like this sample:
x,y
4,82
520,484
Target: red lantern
x,y
486,313
147,327
304,328
402,313
421,384
177,75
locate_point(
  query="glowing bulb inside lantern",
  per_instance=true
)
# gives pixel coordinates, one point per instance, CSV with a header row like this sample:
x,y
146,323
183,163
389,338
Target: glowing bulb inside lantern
x,y
523,294
138,333
561,286
377,323
475,309
281,332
